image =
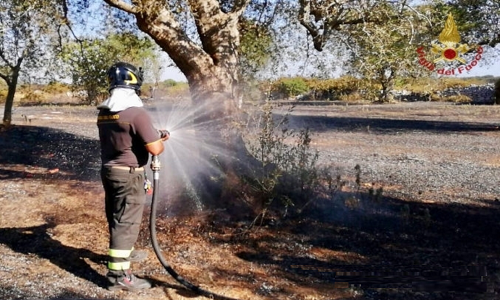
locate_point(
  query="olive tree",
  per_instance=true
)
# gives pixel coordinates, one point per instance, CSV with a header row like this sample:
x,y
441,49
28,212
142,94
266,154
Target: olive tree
x,y
478,20
324,19
28,36
383,52
87,61
203,39
383,36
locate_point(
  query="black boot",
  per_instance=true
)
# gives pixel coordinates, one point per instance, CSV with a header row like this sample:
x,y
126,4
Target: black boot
x,y
125,280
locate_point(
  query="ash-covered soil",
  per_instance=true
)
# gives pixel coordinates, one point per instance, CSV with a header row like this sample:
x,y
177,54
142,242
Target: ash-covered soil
x,y
431,233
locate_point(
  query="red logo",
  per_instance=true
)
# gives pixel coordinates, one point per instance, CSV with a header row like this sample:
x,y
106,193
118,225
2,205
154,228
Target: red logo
x,y
448,51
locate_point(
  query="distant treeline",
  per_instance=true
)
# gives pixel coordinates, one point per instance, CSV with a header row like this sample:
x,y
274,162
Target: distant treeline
x,y
345,88
349,88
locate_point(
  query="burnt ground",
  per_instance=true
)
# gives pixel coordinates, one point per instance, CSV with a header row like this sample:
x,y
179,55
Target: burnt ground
x,y
431,234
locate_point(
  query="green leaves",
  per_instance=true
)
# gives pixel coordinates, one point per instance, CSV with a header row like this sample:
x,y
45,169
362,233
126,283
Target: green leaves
x,y
89,60
29,33
477,20
255,43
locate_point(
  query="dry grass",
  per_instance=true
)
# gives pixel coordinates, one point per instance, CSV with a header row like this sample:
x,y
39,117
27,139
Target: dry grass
x,y
53,233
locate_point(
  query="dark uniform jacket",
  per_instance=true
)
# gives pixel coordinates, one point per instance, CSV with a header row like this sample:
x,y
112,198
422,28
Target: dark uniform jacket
x,y
123,136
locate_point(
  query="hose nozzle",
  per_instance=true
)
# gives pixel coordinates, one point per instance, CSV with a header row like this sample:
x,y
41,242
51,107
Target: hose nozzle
x,y
164,133
155,163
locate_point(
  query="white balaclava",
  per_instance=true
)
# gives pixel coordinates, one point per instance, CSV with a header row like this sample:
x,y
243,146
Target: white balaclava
x,y
121,99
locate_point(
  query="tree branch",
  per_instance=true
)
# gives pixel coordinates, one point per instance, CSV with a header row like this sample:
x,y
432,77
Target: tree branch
x,y
305,20
123,6
5,78
6,61
492,43
159,22
321,18
240,6
213,26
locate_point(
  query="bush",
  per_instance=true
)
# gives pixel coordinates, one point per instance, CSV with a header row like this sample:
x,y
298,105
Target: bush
x,y
169,83
56,88
3,95
333,89
456,83
291,87
180,89
352,97
288,175
457,99
32,97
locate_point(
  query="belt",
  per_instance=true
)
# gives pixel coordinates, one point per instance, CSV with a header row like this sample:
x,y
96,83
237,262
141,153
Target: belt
x,y
131,169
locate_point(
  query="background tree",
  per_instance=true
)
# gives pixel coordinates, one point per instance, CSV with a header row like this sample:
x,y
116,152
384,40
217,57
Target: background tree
x,y
383,52
203,38
29,35
323,19
153,73
478,20
478,23
256,50
87,61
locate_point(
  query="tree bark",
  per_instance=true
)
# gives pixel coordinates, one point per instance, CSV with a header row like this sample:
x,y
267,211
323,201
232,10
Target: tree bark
x,y
212,71
12,85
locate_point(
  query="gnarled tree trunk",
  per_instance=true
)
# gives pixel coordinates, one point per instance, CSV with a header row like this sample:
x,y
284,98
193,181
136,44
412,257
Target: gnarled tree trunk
x,y
12,85
211,69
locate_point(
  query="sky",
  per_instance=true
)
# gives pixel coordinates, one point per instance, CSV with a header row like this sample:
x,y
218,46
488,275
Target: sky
x,y
173,73
486,69
487,65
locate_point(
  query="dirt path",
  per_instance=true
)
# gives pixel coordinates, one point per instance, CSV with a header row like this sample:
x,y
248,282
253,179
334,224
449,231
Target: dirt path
x,y
432,235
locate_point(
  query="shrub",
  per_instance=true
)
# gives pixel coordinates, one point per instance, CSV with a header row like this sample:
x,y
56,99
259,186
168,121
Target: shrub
x,y
288,175
169,83
291,87
3,95
455,83
180,89
352,97
56,88
457,99
32,97
332,89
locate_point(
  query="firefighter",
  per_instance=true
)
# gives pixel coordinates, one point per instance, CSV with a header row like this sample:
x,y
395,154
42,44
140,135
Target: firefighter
x,y
127,137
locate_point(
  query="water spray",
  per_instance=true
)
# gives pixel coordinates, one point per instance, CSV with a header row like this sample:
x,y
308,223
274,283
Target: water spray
x,y
155,167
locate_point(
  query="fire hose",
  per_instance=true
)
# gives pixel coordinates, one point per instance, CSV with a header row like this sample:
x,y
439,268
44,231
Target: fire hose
x,y
155,167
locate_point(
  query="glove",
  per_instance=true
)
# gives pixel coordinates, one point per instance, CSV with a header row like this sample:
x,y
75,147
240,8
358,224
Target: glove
x,y
164,134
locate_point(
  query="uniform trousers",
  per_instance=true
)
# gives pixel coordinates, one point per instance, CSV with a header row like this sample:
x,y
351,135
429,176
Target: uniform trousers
x,y
125,197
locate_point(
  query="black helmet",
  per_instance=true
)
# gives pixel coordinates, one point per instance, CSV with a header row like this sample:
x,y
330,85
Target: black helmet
x,y
124,75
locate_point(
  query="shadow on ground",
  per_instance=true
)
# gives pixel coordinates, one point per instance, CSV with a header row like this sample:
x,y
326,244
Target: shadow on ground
x,y
31,151
404,250
382,125
37,240
399,249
